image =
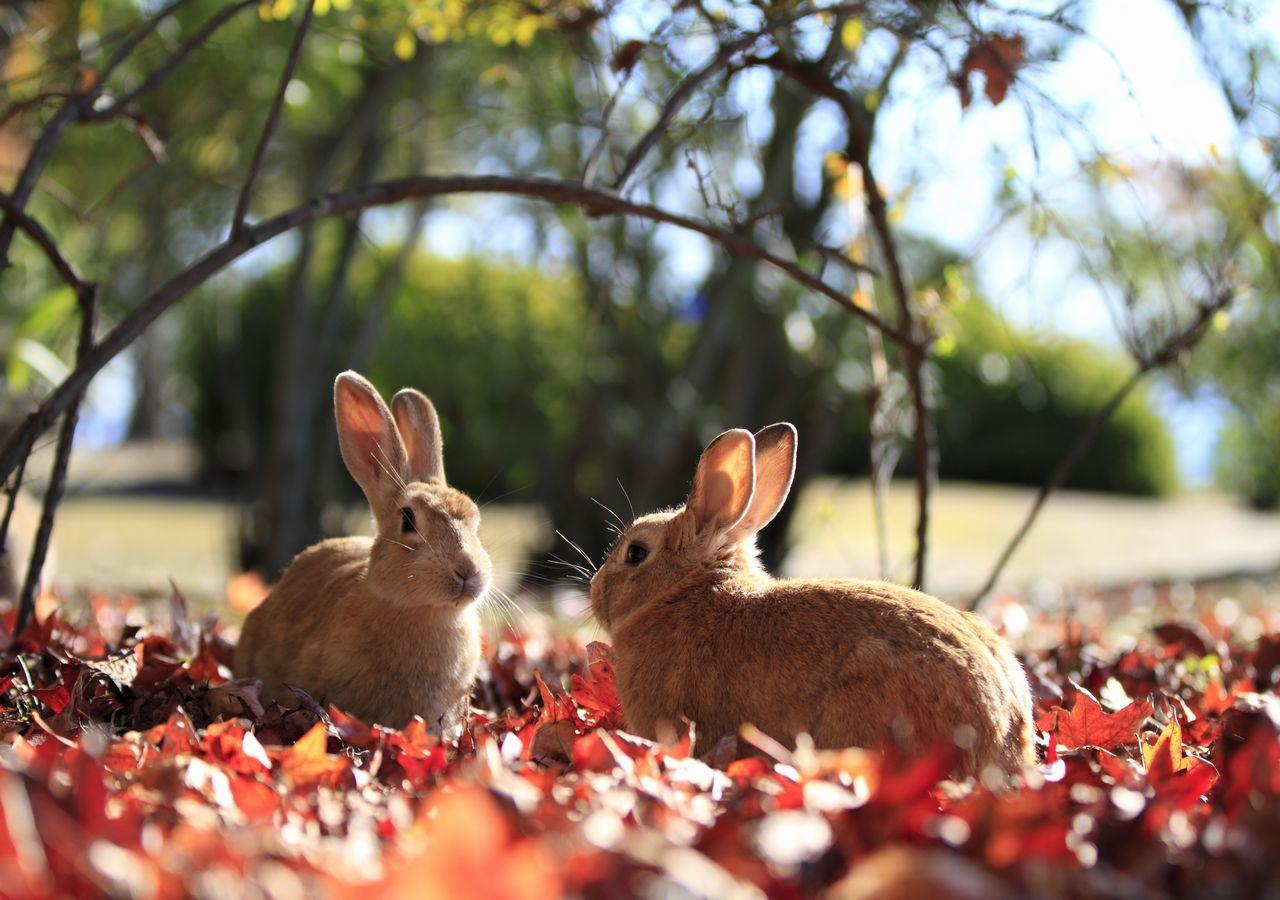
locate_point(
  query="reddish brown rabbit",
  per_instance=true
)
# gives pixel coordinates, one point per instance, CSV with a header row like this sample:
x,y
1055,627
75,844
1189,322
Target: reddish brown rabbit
x,y
383,628
701,631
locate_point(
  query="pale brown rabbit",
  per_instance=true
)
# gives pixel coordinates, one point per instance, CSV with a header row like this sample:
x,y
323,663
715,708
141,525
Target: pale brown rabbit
x,y
384,628
702,632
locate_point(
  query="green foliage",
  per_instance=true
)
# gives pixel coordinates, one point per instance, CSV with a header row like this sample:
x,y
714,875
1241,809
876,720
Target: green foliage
x,y
496,347
1243,367
1011,403
500,349
1249,457
1234,226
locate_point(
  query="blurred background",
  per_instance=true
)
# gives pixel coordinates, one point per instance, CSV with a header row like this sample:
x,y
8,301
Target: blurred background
x,y
1051,237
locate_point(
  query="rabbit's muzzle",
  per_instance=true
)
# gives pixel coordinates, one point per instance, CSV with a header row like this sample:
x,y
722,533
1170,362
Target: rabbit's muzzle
x,y
469,581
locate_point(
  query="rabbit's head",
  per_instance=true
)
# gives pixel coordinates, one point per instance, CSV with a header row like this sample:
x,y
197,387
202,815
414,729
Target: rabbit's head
x,y
427,551
741,482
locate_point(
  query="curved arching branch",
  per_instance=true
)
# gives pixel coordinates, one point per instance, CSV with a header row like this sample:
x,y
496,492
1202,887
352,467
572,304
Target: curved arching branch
x,y
593,201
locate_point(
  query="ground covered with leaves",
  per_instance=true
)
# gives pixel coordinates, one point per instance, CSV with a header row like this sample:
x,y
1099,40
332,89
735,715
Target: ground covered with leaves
x,y
132,764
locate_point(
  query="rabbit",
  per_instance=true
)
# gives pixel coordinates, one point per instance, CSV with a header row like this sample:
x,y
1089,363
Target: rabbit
x,y
702,632
384,628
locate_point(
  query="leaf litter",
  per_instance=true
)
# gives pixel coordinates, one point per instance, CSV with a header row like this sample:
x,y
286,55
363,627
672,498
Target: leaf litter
x,y
133,764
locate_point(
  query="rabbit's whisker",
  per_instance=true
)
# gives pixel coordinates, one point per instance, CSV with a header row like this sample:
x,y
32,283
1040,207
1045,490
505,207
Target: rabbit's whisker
x,y
515,490
630,506
590,562
503,600
378,537
617,518
386,466
573,567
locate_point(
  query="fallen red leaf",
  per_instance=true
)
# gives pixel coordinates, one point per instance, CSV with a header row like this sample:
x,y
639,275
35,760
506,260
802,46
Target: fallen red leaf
x,y
308,763
597,690
470,850
1087,724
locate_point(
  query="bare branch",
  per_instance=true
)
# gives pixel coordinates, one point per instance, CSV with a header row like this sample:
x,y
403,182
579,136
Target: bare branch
x,y
675,102
128,45
1170,352
73,109
42,239
12,491
817,79
188,47
273,118
36,161
602,142
594,201
686,89
58,475
926,462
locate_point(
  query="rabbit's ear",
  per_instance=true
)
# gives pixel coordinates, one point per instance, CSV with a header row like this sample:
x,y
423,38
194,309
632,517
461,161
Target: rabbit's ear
x,y
371,446
724,482
775,468
420,430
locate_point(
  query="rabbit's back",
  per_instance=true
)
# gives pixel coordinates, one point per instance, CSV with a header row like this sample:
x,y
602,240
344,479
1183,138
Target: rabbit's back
x,y
277,642
849,662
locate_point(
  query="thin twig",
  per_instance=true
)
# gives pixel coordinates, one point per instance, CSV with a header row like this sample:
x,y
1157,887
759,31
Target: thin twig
x,y
75,107
593,159
21,106
815,78
686,89
188,47
675,102
12,501
42,239
273,119
926,462
58,474
1172,350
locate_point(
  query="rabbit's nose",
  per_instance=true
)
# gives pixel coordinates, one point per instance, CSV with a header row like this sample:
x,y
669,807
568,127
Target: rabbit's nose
x,y
468,579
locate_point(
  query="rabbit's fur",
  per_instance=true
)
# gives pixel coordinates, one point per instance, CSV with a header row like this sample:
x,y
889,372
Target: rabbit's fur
x,y
384,628
702,632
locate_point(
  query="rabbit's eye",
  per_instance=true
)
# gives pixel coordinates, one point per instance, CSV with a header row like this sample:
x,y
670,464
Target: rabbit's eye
x,y
406,520
636,554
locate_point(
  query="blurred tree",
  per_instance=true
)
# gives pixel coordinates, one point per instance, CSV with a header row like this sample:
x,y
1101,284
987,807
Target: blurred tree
x,y
721,113
1243,365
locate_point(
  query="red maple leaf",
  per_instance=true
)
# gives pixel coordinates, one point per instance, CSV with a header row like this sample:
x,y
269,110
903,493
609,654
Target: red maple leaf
x,y
1086,724
55,699
597,691
308,762
254,798
235,747
418,751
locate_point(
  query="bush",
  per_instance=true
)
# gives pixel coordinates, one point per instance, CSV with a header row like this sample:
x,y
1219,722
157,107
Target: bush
x,y
1008,404
1248,457
1011,403
499,349
1242,366
495,347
